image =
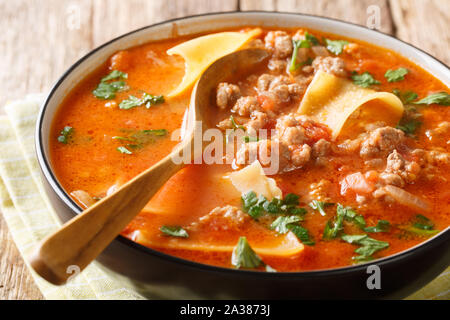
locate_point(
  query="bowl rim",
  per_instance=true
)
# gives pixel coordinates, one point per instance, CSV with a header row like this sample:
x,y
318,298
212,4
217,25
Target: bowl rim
x,y
50,177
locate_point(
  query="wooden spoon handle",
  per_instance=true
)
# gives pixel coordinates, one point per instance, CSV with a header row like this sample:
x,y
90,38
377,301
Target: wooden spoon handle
x,y
83,238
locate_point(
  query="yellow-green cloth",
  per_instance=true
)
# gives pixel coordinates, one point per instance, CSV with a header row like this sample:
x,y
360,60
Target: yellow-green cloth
x,y
30,217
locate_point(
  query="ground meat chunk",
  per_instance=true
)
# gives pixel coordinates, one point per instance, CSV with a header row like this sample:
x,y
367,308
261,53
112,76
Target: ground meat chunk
x,y
321,148
398,170
289,131
281,89
258,120
225,124
335,66
221,219
301,155
381,141
277,65
437,158
320,51
280,43
244,106
395,162
320,151
266,151
227,94
392,179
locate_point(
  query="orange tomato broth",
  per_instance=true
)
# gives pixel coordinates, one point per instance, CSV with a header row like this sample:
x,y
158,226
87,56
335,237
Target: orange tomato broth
x,y
93,164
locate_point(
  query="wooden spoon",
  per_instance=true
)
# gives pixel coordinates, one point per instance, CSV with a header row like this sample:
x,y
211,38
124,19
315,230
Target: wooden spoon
x,y
83,238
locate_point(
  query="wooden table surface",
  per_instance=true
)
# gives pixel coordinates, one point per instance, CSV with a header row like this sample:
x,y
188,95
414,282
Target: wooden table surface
x,y
42,38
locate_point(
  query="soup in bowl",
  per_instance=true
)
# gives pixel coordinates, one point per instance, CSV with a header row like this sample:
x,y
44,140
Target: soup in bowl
x,y
330,154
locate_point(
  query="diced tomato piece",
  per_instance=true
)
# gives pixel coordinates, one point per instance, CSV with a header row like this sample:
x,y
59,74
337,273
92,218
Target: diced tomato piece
x,y
266,102
357,183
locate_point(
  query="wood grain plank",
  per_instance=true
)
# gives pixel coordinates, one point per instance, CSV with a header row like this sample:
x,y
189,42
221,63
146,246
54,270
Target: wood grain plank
x,y
124,16
39,43
425,24
348,10
15,279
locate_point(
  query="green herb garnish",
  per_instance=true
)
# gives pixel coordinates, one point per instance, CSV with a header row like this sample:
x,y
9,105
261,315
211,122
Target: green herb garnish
x,y
66,134
124,150
441,98
255,205
364,80
368,246
301,233
382,226
409,126
107,89
115,74
141,138
312,39
174,231
235,125
147,99
396,75
405,96
297,45
333,228
270,269
244,256
336,46
421,226
248,139
320,206
280,225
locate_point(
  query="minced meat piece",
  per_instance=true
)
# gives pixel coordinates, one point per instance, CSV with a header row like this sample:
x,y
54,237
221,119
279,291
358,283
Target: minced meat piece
x,y
258,121
301,155
332,65
244,106
280,43
227,94
381,141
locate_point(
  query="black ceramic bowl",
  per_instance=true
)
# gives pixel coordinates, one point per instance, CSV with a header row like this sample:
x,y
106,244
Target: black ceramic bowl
x,y
159,275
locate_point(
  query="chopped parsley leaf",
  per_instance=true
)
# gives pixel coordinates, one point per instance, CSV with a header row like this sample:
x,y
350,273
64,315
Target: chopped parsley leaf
x,y
364,80
382,226
297,45
441,98
140,139
124,150
332,229
255,205
405,96
320,206
312,39
115,74
66,134
422,226
368,246
107,89
147,99
336,46
409,126
270,269
174,231
301,233
396,75
243,255
280,225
